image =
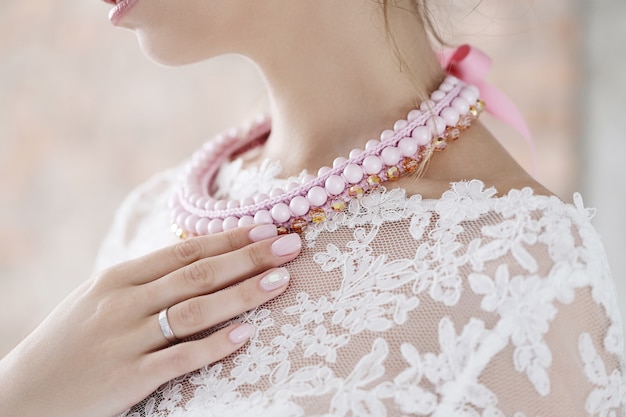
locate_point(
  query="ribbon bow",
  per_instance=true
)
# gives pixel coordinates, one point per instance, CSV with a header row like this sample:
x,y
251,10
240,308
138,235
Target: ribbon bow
x,y
471,65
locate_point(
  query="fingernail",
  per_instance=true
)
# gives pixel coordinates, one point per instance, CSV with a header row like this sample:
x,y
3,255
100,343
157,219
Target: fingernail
x,y
241,333
287,244
275,279
262,232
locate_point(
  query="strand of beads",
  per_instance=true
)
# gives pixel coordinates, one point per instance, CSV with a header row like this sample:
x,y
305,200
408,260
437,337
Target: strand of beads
x,y
450,110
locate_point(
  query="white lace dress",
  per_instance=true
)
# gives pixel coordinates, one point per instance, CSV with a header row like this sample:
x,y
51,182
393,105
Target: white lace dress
x,y
468,305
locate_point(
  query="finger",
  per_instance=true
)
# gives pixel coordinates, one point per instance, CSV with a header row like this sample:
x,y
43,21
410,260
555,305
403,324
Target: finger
x,y
163,261
200,313
166,364
213,274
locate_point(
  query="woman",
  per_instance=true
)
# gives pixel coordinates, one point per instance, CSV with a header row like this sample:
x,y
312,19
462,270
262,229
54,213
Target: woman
x,y
430,283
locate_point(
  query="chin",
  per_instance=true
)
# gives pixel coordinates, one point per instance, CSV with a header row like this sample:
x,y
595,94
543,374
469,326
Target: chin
x,y
166,52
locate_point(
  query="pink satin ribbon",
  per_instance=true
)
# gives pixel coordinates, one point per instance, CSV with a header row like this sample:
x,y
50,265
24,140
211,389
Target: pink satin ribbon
x,y
471,65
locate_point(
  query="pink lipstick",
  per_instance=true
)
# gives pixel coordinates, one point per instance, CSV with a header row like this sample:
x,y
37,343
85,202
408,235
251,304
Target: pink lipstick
x,y
121,8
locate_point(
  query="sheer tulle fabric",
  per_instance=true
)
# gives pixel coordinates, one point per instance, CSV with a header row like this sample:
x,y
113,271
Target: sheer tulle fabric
x,y
468,305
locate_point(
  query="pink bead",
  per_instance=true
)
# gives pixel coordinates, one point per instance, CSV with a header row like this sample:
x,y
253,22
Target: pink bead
x,y
386,134
190,222
210,205
308,178
263,217
422,135
180,219
413,114
233,204
334,185
372,164
317,196
248,201
338,161
230,222
470,94
221,204
299,206
201,202
208,147
322,171
400,124
276,192
427,105
371,144
215,226
451,79
292,186
450,116
446,87
202,226
461,105
280,212
437,95
408,146
391,155
353,173
233,132
245,221
436,124
355,152
259,198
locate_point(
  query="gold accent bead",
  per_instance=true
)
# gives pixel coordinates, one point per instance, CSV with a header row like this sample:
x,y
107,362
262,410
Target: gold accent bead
x,y
374,180
356,191
338,205
410,164
282,230
299,224
317,214
480,106
440,144
393,173
465,122
181,233
454,133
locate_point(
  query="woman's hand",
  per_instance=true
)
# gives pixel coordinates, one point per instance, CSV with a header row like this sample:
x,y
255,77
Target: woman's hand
x,y
103,349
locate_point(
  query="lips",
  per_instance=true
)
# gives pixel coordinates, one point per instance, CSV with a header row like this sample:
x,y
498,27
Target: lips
x,y
121,8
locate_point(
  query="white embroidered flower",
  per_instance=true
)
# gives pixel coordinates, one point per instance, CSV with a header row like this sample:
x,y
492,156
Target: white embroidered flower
x,y
465,201
517,202
419,224
405,389
252,365
609,393
494,291
291,336
310,310
513,236
323,344
352,398
210,385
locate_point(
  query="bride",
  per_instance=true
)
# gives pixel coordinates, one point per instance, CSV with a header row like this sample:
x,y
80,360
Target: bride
x,y
366,249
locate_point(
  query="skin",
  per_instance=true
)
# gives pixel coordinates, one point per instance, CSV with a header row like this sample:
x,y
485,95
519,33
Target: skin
x,y
101,350
333,82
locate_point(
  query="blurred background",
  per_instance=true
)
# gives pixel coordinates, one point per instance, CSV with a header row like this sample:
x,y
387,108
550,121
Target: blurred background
x,y
85,117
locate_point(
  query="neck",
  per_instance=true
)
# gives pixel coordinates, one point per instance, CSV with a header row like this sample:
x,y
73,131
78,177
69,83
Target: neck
x,y
321,106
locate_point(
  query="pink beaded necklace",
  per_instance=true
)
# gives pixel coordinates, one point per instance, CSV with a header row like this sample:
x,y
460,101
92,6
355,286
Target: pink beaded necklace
x,y
451,109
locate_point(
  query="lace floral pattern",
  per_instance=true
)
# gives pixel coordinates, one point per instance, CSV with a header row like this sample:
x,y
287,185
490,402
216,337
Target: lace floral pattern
x,y
469,305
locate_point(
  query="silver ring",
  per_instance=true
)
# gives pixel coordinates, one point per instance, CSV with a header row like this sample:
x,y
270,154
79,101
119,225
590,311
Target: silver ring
x,y
165,327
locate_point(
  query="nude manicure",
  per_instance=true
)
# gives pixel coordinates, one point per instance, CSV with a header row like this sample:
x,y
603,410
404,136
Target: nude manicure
x,y
265,231
275,279
286,245
241,333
